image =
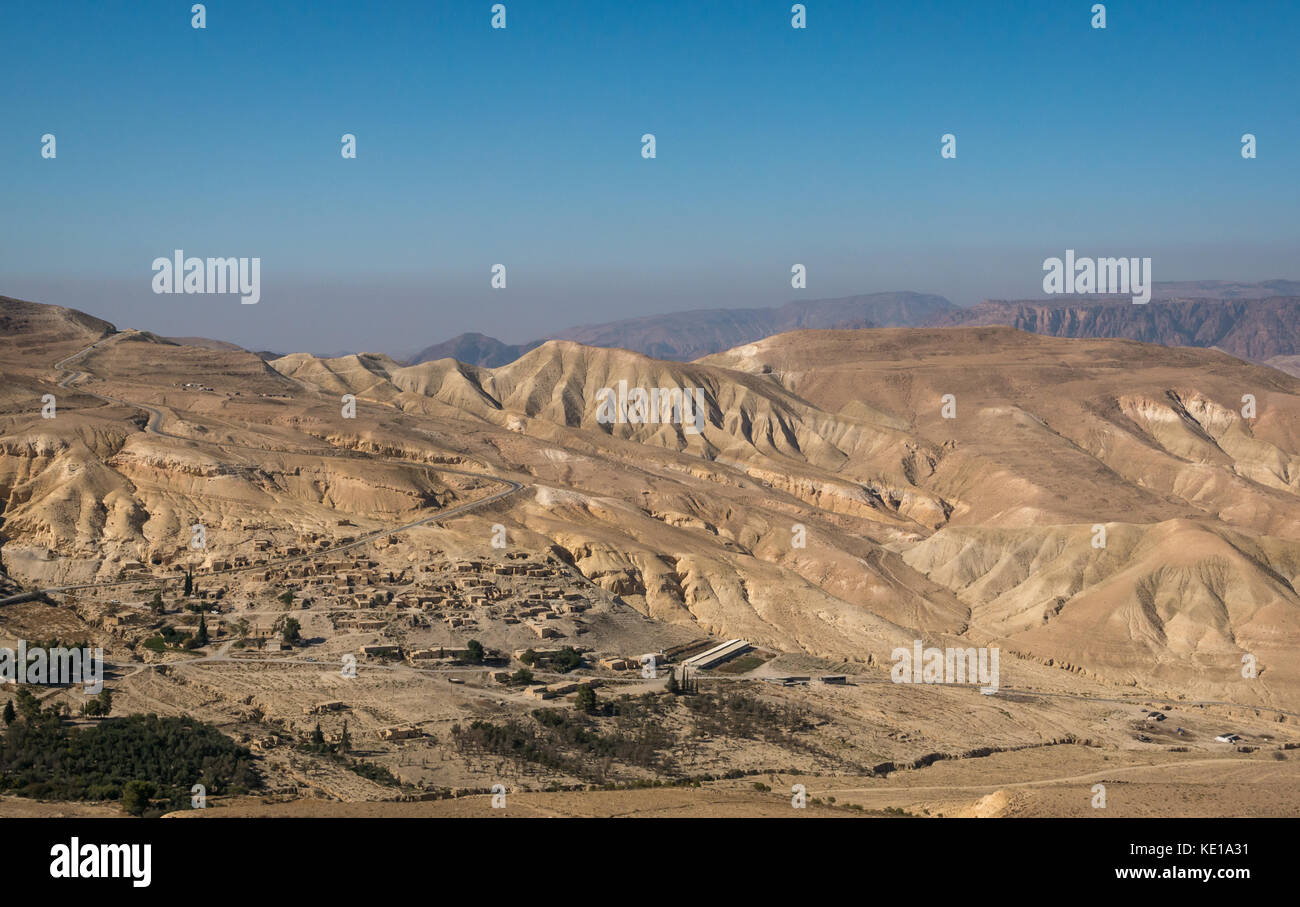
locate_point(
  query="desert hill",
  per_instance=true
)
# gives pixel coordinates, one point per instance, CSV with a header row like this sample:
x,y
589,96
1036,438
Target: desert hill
x,y
977,527
1057,436
30,330
827,512
993,509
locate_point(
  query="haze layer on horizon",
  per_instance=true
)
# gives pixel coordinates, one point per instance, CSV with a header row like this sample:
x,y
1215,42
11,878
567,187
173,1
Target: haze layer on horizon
x,y
523,146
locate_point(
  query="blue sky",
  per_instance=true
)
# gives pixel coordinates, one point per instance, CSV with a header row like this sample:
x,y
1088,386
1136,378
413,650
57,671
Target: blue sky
x,y
522,146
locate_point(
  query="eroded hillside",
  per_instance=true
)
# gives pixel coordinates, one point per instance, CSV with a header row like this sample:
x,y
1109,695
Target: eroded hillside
x,y
983,526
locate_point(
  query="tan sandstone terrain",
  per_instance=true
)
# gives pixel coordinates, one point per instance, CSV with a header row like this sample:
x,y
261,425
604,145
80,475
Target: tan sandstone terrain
x,y
493,504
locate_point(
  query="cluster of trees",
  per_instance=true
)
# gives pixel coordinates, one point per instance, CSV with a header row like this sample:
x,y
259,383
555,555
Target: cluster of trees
x,y
99,707
158,606
170,636
566,660
514,740
150,763
569,742
318,743
56,643
338,752
586,700
372,771
742,715
563,661
29,707
290,630
686,686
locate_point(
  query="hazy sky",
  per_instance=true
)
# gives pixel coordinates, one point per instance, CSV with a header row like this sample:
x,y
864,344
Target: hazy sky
x,y
523,146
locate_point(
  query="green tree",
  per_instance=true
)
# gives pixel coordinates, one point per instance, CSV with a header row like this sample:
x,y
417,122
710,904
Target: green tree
x,y
189,582
157,605
345,739
287,597
673,686
522,676
475,650
318,736
567,659
135,797
9,713
529,658
290,631
201,637
28,705
586,701
105,700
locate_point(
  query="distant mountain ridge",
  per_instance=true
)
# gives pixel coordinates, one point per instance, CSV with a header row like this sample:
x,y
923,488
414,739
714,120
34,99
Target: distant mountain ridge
x,y
685,336
1259,321
474,349
1260,329
1224,289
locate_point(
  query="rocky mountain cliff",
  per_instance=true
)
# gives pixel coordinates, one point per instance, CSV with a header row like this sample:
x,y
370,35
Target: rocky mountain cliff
x,y
1256,329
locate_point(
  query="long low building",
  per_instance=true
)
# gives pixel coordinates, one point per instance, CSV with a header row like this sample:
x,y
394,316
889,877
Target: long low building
x,y
718,654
